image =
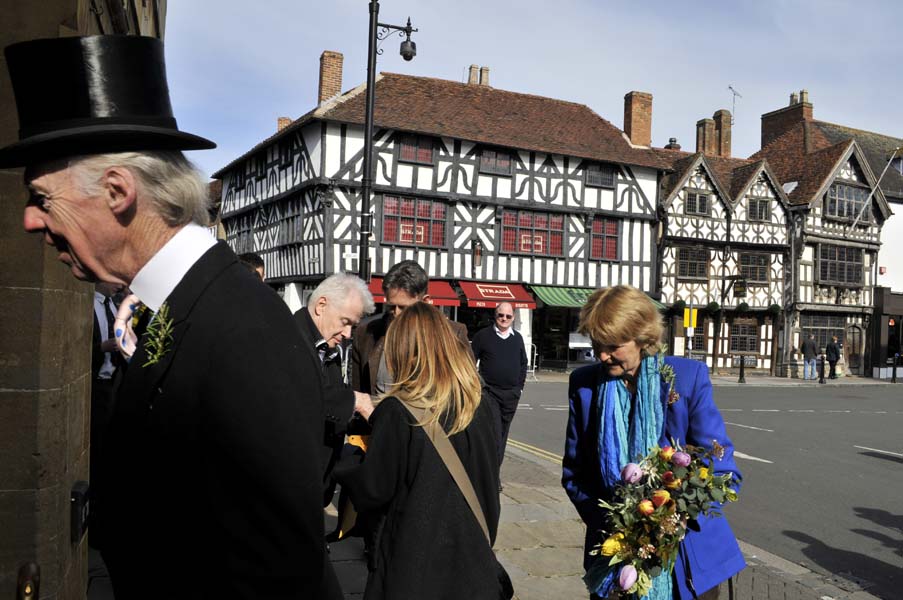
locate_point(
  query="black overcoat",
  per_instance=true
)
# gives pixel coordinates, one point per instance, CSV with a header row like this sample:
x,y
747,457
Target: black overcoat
x,y
430,545
214,451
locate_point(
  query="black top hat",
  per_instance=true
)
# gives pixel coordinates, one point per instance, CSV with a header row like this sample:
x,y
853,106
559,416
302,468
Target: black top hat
x,y
91,95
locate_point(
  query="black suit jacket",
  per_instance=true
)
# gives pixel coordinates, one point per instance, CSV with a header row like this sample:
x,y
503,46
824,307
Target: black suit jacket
x,y
214,451
338,400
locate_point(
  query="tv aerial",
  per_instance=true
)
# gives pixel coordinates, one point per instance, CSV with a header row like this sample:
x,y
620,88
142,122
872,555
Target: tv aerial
x,y
736,95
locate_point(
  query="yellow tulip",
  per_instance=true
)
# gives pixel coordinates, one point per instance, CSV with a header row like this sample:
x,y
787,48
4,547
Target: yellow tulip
x,y
612,545
704,473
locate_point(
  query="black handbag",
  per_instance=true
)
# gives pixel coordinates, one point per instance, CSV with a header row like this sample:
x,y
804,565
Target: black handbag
x,y
453,463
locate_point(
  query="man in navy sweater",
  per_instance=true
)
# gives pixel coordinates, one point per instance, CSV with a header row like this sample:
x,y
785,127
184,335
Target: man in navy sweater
x,y
499,350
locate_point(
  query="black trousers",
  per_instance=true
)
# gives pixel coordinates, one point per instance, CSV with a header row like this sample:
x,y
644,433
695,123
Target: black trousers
x,y
504,404
101,414
833,364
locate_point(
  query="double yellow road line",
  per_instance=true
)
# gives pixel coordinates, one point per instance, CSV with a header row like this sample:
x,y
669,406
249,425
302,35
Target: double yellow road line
x,y
539,452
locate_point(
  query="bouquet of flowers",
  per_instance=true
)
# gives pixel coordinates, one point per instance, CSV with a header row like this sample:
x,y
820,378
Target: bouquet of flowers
x,y
658,500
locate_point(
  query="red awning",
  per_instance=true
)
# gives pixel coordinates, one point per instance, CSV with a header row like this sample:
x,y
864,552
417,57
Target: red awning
x,y
489,295
440,292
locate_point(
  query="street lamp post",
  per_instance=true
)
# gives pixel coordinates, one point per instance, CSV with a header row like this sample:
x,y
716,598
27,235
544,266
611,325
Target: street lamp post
x,y
378,32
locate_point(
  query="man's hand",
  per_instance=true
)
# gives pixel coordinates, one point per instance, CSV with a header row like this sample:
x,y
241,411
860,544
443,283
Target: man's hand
x,y
363,405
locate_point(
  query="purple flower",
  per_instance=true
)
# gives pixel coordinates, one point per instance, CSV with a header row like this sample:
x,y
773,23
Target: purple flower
x,y
627,577
631,473
681,459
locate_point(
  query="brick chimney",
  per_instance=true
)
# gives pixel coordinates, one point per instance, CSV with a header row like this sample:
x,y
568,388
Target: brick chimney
x,y
282,123
330,75
638,117
473,77
484,76
777,122
705,136
722,133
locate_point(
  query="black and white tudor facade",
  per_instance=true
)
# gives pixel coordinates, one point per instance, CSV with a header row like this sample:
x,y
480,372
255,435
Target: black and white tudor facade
x,y
556,199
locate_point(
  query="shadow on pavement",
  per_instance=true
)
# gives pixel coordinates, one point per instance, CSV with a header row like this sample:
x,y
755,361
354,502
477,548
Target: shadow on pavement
x,y
880,578
895,459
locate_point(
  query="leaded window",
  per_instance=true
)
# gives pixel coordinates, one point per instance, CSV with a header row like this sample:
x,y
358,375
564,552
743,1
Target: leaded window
x,y
534,233
692,263
260,166
840,265
754,268
697,203
604,239
416,149
285,153
598,175
822,326
413,221
495,161
744,337
242,237
846,202
289,228
759,209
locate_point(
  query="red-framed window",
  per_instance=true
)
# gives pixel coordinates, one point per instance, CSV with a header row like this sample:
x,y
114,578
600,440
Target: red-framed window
x,y
416,149
534,233
604,239
413,221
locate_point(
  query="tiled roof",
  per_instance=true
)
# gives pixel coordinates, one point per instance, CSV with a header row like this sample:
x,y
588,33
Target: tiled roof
x,y
877,149
482,114
729,174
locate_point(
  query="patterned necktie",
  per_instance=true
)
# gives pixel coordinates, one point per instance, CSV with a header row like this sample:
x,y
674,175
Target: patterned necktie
x,y
108,310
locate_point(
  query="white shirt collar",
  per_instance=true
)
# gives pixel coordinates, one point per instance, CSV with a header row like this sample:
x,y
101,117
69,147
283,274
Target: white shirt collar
x,y
98,297
499,333
159,277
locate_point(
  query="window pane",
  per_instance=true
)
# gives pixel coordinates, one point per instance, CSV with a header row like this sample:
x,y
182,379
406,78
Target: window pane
x,y
509,240
611,248
439,211
406,207
541,221
390,229
525,219
611,227
557,222
423,209
509,218
438,234
557,244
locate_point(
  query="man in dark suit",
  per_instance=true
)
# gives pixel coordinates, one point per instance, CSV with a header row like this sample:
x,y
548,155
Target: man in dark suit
x,y
334,308
404,284
213,492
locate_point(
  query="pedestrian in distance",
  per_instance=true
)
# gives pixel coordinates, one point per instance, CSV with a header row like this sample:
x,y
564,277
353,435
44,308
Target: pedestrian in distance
x,y
832,355
810,355
499,350
431,544
620,408
254,263
211,491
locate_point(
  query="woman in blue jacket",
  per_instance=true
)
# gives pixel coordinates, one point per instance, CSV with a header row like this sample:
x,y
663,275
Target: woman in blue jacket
x,y
619,408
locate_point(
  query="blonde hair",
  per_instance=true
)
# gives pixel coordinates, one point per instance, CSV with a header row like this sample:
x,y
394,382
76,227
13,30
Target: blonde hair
x,y
621,314
173,184
431,368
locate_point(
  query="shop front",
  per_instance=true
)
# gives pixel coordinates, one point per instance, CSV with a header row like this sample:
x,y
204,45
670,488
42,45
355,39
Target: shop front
x,y
887,335
558,344
440,293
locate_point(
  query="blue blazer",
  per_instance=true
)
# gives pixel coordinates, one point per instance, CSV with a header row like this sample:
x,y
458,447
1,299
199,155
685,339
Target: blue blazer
x,y
707,557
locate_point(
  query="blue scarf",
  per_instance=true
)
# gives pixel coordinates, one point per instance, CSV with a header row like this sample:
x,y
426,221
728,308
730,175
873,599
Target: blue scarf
x,y
626,437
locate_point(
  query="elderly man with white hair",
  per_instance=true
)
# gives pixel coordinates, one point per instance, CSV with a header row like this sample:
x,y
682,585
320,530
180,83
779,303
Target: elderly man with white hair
x,y
335,307
211,492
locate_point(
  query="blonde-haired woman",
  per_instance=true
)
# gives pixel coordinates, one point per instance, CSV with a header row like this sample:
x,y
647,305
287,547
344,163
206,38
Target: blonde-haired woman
x,y
430,544
621,407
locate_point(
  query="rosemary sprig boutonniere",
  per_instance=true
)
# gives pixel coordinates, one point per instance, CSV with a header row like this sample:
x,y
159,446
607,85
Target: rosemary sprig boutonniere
x,y
667,373
158,337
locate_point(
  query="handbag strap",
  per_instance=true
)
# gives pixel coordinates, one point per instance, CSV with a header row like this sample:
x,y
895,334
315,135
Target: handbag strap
x,y
453,462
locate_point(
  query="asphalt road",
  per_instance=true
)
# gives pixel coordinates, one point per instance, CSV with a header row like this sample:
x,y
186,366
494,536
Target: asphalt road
x,y
822,467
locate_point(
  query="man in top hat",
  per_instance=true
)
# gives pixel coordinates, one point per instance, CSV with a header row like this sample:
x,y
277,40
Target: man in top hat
x,y
212,491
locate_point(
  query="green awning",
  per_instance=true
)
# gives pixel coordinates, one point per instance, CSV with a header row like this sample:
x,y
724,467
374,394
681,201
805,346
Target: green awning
x,y
570,297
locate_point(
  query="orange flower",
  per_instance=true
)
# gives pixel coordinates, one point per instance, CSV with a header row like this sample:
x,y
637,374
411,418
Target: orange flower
x,y
671,482
666,453
659,497
645,508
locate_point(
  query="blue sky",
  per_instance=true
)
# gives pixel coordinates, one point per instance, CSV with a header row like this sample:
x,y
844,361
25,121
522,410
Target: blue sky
x,y
234,66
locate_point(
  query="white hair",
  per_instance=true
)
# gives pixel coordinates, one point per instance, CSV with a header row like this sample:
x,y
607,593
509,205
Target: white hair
x,y
336,288
173,184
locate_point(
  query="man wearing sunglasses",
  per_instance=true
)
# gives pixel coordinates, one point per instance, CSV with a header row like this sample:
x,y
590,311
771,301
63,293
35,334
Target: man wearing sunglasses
x,y
499,350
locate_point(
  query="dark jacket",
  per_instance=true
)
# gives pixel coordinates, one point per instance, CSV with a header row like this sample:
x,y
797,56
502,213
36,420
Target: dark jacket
x,y
431,545
711,553
832,352
338,398
367,349
213,493
809,349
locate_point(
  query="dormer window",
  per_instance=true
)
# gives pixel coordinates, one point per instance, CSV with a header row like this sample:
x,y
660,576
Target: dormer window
x,y
495,161
598,175
415,149
697,203
759,209
846,202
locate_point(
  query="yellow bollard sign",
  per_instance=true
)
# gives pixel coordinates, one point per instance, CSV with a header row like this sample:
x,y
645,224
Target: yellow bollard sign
x,y
690,317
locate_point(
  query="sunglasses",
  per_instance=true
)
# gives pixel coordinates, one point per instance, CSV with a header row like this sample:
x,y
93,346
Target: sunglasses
x,y
501,316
